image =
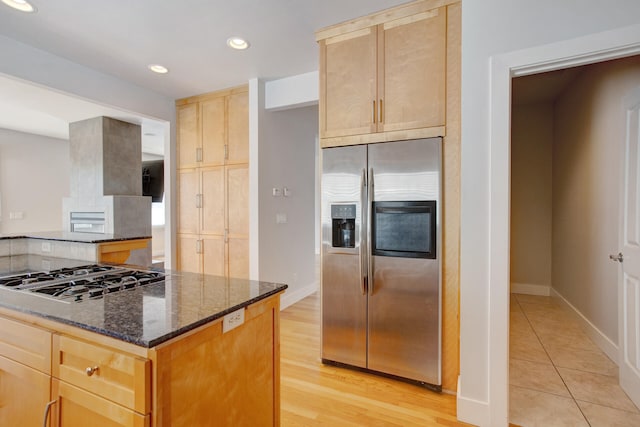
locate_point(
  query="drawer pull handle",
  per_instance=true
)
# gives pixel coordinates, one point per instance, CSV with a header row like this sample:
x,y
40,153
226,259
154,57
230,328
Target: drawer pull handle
x,y
90,371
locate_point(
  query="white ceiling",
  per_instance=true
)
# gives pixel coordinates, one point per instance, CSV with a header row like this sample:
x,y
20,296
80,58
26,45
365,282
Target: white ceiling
x,y
25,107
189,37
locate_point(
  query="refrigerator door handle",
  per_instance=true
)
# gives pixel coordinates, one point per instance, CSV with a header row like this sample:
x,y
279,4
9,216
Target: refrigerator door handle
x,y
363,245
369,222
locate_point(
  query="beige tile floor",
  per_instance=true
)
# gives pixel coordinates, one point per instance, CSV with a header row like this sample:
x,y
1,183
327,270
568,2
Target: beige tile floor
x,y
557,375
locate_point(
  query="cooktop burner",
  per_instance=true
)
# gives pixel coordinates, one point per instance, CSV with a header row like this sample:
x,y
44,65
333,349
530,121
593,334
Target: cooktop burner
x,y
89,281
62,273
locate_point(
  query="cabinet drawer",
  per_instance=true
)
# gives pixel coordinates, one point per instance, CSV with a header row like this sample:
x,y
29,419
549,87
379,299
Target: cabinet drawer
x,y
26,344
112,374
75,407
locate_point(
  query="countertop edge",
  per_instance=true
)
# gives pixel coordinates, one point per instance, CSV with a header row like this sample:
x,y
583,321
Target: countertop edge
x,y
209,319
146,343
88,239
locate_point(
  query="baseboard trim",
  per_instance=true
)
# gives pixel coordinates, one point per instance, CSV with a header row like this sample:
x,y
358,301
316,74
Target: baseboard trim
x,y
291,297
472,411
600,339
530,289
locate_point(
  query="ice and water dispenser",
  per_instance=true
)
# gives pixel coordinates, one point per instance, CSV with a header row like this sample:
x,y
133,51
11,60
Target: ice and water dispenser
x,y
343,224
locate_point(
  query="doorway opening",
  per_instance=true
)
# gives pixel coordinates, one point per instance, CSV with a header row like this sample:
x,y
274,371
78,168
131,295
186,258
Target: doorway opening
x,y
581,51
567,132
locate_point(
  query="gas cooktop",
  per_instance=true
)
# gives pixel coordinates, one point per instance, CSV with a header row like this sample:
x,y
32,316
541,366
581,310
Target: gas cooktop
x,y
80,283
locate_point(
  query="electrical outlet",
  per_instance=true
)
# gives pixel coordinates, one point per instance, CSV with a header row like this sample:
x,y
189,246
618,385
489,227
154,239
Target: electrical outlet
x,y
232,320
46,247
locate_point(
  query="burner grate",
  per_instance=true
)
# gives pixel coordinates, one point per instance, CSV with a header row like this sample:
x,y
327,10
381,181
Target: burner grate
x,y
89,281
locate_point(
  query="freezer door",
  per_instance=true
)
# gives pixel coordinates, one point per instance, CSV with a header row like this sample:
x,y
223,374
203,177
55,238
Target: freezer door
x,y
404,318
344,300
404,295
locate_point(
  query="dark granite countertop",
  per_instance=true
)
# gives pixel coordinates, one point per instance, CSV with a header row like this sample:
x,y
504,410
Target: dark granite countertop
x,y
67,236
146,316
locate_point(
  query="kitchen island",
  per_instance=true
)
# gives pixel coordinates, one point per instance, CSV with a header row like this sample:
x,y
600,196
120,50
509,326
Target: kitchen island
x,y
96,247
189,350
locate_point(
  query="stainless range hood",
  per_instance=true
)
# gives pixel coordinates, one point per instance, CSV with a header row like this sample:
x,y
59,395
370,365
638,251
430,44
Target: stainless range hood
x,y
106,181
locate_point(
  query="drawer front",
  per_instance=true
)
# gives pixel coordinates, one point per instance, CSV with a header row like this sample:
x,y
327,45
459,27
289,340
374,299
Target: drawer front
x,y
75,407
26,344
119,377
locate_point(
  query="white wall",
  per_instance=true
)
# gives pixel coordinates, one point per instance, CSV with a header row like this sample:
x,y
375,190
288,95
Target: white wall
x,y
287,159
589,137
492,27
34,177
531,159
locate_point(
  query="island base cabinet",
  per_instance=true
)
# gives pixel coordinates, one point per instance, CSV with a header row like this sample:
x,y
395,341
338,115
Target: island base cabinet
x,y
75,407
24,394
223,378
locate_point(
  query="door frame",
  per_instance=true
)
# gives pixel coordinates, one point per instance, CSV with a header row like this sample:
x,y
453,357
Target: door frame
x,y
584,50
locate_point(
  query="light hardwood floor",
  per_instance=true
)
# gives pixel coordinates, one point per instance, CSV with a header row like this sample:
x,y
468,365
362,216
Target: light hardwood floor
x,y
313,394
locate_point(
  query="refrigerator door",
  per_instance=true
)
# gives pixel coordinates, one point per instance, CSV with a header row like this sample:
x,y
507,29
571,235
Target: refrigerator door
x,y
404,295
344,300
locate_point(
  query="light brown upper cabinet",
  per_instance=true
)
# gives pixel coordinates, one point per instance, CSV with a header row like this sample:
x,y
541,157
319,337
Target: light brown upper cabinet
x,y
385,81
238,128
188,125
213,129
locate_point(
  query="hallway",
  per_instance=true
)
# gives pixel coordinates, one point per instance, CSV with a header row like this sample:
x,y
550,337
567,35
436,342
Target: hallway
x,y
557,375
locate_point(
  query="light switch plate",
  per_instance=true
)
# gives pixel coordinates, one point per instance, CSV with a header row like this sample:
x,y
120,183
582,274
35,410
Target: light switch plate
x,y
232,320
16,215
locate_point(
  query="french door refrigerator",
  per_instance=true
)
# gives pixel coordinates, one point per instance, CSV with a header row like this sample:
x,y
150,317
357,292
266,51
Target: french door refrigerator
x,y
381,250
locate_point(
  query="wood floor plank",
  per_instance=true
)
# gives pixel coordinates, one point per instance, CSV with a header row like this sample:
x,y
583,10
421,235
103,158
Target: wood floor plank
x,y
313,394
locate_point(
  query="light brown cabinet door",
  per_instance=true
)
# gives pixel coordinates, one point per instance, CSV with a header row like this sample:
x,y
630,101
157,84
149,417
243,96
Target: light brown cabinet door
x,y
213,205
412,71
188,130
238,221
238,128
238,200
75,407
189,259
24,394
348,84
212,113
188,190
213,261
238,257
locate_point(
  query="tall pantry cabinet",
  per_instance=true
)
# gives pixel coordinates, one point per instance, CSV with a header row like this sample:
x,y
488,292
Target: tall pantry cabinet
x,y
213,183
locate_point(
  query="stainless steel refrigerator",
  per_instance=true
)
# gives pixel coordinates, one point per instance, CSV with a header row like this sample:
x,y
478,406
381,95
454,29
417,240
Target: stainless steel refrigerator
x,y
381,258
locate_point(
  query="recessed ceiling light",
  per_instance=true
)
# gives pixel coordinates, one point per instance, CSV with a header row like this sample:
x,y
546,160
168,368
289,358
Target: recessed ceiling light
x,y
21,5
237,43
157,68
